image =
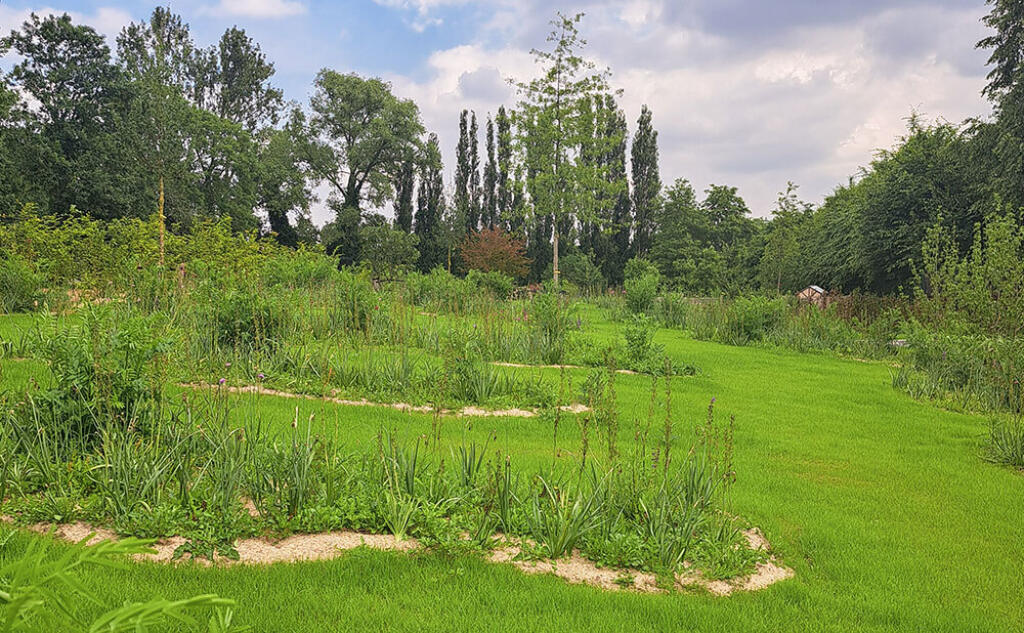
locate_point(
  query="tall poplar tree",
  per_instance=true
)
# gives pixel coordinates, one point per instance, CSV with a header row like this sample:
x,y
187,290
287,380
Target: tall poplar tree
x,y
467,209
504,185
461,195
430,207
490,193
475,190
405,184
604,149
646,183
612,248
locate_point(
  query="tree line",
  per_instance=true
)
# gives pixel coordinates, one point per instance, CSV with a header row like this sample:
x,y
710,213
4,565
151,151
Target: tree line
x,y
160,125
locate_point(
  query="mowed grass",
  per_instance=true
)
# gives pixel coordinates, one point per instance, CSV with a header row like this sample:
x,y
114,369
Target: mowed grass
x,y
881,504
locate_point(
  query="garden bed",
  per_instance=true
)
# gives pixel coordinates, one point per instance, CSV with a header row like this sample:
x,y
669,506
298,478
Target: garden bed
x,y
469,411
330,545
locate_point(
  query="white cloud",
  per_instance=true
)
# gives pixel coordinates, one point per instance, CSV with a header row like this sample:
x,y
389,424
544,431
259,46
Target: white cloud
x,y
256,8
107,21
812,107
639,13
423,10
421,6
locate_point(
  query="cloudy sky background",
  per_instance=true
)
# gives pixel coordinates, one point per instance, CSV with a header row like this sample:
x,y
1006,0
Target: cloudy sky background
x,y
744,92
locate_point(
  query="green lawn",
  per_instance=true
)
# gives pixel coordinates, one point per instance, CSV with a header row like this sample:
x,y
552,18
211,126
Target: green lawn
x,y
881,504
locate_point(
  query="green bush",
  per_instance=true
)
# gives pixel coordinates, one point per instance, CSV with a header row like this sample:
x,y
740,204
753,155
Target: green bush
x,y
20,286
230,315
104,368
299,269
355,302
582,272
751,319
969,372
641,292
497,283
638,267
1006,442
441,291
551,318
640,349
978,291
674,310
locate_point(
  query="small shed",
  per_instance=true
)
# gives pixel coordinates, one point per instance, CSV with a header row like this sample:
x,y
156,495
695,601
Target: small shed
x,y
812,294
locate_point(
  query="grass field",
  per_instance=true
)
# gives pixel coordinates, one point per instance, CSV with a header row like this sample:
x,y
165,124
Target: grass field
x,y
880,503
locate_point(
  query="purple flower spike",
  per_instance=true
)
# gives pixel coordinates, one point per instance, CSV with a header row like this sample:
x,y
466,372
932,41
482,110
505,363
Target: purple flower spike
x,y
712,400
222,381
260,376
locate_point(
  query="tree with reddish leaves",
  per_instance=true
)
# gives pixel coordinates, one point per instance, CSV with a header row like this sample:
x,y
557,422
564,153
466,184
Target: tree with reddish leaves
x,y
492,249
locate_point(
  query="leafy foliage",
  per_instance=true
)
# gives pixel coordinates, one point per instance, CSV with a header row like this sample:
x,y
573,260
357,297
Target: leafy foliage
x,y
388,252
20,286
493,250
39,592
358,134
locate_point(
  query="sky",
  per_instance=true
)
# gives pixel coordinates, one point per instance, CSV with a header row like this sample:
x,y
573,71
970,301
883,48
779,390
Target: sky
x,y
746,93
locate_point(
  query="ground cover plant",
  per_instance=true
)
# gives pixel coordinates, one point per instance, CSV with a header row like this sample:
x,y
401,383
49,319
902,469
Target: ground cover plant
x,y
160,407
821,466
39,592
102,444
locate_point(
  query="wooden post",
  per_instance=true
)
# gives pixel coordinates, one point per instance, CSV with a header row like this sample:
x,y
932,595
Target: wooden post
x,y
555,262
160,212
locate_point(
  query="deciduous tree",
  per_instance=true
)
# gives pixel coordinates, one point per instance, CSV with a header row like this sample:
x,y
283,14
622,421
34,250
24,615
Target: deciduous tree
x,y
358,135
495,250
555,128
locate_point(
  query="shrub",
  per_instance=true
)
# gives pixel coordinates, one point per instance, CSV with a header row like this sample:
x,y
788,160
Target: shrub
x,y
440,290
640,349
551,319
103,369
641,292
497,283
638,267
674,310
388,252
354,303
750,319
581,271
20,286
971,372
299,269
246,317
980,291
1006,442
495,250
